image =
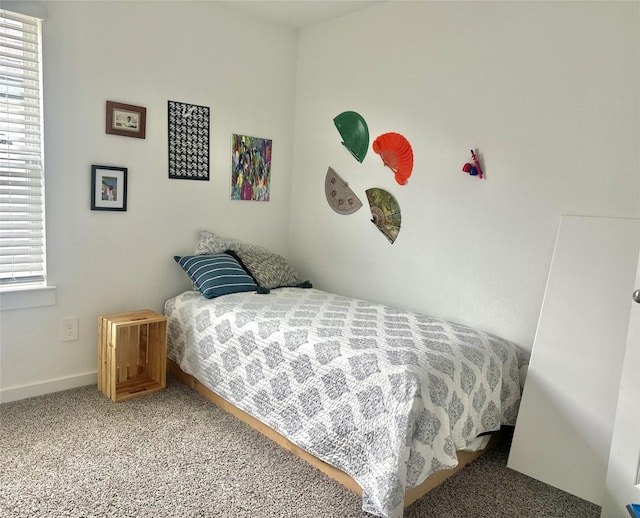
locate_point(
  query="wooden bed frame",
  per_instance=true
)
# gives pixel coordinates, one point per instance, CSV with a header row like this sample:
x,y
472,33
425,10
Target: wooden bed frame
x,y
411,495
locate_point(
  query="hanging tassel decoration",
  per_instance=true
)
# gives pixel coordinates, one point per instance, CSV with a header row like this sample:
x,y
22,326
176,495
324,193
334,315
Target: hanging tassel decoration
x,y
477,164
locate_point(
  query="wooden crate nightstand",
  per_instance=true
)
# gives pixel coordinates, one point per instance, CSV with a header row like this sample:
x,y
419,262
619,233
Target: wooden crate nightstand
x,y
132,354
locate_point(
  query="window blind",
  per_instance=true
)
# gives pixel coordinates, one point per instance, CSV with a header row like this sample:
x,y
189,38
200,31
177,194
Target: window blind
x,y
22,228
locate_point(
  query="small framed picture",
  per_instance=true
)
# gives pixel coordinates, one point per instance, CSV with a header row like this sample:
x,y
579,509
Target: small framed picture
x,y
126,120
108,187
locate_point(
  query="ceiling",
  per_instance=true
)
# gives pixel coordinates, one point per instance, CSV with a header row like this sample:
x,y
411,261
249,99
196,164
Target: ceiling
x,y
300,13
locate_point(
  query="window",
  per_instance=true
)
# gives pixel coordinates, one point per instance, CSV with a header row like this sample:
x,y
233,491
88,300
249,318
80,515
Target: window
x,y
22,228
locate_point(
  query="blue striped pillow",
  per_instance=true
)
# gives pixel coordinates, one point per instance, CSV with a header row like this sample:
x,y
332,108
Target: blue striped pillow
x,y
216,275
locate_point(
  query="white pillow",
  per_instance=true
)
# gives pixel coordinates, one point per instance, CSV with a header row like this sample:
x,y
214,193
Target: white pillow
x,y
211,243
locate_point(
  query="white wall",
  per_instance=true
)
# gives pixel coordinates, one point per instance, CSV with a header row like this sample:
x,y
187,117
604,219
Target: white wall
x,y
548,93
145,54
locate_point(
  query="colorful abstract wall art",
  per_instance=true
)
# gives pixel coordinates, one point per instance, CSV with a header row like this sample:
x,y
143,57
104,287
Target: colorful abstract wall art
x,y
251,168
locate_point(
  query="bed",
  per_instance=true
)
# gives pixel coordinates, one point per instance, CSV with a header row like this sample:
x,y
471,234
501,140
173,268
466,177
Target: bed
x,y
386,401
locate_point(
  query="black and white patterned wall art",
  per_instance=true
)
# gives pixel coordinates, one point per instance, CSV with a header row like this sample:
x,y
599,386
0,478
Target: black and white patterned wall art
x,y
188,141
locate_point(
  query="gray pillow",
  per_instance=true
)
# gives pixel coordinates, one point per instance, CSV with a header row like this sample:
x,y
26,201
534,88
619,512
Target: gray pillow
x,y
268,269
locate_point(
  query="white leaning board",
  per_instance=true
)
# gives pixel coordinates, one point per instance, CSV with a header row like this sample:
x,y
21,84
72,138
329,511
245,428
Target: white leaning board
x,y
623,475
565,424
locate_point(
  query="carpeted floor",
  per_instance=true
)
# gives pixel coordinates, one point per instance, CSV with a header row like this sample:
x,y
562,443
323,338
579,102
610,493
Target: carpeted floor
x,y
174,454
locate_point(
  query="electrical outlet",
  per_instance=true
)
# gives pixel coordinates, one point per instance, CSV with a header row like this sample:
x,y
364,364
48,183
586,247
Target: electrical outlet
x,y
70,329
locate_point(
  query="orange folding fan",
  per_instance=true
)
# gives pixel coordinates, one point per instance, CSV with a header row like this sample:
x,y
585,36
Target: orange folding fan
x,y
396,153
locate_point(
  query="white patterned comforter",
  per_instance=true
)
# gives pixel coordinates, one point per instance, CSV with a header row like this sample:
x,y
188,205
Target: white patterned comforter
x,y
383,394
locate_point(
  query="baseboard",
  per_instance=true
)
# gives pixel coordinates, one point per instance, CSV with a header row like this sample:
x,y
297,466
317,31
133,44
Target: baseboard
x,y
47,387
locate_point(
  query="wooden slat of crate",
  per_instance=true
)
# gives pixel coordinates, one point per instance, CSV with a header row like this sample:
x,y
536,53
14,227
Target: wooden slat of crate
x,y
102,353
157,351
131,354
112,367
142,354
122,341
138,387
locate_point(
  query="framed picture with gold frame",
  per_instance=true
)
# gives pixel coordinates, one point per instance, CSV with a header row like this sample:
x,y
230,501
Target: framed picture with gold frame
x,y
126,120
